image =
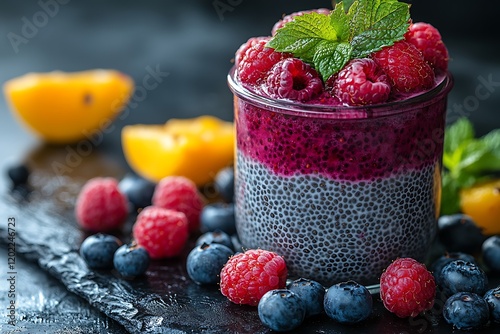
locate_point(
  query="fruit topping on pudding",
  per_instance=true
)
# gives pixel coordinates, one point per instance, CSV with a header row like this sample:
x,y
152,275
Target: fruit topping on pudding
x,y
362,52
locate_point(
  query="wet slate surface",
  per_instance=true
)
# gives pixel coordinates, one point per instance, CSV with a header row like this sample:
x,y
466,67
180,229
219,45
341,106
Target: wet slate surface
x,y
162,301
56,294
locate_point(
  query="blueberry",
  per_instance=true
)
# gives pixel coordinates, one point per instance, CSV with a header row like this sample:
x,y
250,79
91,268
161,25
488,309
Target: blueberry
x,y
442,261
138,191
281,310
218,216
215,237
459,233
466,310
312,294
348,302
492,297
462,276
204,263
491,253
224,183
131,260
98,250
18,174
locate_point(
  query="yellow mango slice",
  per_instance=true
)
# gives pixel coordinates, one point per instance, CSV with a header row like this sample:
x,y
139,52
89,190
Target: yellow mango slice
x,y
61,107
196,148
482,204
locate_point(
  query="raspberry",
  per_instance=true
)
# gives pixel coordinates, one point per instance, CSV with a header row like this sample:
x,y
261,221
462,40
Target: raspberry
x,y
406,68
247,276
407,288
162,232
180,194
290,17
247,45
257,61
293,79
100,206
360,82
428,40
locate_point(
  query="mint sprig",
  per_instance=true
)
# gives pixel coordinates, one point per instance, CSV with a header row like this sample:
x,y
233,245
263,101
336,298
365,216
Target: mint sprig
x,y
329,42
467,161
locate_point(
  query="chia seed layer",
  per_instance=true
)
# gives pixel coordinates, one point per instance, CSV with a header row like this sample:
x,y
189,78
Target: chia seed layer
x,y
336,230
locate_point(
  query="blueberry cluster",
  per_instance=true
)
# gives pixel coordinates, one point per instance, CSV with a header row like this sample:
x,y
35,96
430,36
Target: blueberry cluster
x,y
104,251
285,309
461,278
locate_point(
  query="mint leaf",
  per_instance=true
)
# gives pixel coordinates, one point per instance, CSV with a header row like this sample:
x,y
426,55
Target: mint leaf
x,y
305,36
377,27
478,157
328,42
492,140
331,58
456,134
450,200
347,4
340,22
469,161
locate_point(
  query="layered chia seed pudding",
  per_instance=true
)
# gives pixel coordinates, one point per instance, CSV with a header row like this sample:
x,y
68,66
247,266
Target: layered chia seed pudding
x,y
340,175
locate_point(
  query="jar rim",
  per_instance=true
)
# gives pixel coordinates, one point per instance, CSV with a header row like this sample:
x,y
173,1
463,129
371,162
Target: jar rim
x,y
341,112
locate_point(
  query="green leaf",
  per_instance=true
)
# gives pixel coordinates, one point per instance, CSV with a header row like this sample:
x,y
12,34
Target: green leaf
x,y
331,58
339,20
305,36
456,134
492,140
479,157
450,198
328,42
382,27
347,4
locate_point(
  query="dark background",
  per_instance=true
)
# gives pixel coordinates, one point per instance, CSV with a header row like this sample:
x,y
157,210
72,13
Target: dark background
x,y
194,42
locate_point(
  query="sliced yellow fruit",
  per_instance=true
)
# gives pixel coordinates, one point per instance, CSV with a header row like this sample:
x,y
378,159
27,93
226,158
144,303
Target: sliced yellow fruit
x,y
62,107
196,148
482,204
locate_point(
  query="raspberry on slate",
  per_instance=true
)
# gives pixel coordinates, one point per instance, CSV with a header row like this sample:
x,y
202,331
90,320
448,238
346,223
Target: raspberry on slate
x,y
360,82
428,40
291,17
100,205
257,61
162,232
180,194
407,288
247,276
293,79
406,68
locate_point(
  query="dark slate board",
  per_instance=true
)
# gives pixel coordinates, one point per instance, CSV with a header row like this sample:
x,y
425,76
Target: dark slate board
x,y
164,300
